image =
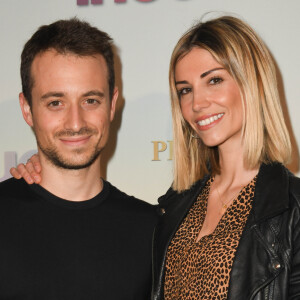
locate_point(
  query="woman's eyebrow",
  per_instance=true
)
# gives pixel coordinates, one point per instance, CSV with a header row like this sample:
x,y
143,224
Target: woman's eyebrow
x,y
210,71
181,82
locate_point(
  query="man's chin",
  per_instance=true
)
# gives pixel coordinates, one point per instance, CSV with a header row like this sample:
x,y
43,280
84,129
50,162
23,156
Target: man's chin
x,y
75,163
67,166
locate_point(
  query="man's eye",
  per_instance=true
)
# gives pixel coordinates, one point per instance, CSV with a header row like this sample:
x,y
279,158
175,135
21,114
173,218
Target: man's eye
x,y
215,80
54,103
91,101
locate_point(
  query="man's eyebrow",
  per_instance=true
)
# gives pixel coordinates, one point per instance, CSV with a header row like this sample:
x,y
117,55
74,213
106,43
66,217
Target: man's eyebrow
x,y
94,93
60,94
52,94
210,71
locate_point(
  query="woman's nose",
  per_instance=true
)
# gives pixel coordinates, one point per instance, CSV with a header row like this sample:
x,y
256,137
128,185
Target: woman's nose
x,y
200,100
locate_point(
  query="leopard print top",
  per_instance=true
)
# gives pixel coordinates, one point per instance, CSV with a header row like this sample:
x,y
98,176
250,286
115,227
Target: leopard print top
x,y
201,270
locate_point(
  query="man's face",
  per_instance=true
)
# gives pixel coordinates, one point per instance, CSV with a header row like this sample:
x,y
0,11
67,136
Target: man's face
x,y
71,110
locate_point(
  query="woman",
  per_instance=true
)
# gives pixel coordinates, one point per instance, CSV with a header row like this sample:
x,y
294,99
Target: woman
x,y
229,223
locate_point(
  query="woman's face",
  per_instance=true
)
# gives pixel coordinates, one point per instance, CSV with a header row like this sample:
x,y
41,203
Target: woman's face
x,y
210,98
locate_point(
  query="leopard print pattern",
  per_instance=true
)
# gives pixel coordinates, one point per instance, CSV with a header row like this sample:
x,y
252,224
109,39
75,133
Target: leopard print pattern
x,y
201,270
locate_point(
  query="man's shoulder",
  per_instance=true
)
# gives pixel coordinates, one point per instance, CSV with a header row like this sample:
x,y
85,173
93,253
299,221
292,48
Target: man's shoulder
x,y
12,187
129,203
13,193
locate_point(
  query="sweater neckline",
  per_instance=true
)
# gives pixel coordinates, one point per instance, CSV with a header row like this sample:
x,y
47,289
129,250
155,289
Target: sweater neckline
x,y
89,203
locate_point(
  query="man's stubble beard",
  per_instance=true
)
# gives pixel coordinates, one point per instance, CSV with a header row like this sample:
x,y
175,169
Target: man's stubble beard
x,y
52,153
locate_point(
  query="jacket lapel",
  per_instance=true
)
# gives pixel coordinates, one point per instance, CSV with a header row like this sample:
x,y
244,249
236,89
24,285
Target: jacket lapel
x,y
175,207
256,262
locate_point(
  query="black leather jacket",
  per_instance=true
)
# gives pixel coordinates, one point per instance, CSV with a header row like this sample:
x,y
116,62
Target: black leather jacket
x,y
267,260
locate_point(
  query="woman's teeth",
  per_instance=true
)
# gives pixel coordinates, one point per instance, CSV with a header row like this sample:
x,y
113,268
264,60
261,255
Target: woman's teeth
x,y
210,120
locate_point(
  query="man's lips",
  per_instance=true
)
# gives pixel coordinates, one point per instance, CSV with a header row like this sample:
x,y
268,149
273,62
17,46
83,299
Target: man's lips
x,y
208,121
75,141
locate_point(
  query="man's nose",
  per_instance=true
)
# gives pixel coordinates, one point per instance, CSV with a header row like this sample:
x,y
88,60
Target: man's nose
x,y
75,118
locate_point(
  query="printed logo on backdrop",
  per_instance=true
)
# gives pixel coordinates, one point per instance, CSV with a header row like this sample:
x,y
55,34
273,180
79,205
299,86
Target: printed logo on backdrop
x,y
10,160
162,150
86,2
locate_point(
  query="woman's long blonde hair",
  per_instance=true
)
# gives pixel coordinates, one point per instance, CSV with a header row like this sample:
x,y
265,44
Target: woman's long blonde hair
x,y
236,46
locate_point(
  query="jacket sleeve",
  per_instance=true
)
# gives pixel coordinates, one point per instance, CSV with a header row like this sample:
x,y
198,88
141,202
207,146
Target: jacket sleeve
x,y
294,288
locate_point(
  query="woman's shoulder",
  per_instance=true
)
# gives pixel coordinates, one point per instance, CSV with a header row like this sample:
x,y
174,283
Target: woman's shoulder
x,y
294,188
280,185
286,179
172,196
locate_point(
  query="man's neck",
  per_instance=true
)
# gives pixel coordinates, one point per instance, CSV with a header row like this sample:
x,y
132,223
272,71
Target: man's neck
x,y
73,185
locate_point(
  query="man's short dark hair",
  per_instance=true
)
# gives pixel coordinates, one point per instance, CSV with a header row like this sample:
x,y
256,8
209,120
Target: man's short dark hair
x,y
66,36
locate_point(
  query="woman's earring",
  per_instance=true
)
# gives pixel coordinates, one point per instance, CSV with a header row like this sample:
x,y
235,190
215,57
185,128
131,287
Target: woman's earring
x,y
195,136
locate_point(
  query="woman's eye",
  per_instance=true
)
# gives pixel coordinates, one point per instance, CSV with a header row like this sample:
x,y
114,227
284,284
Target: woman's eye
x,y
183,91
215,80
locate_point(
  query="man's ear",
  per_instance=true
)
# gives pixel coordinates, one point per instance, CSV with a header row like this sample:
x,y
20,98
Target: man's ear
x,y
113,103
26,110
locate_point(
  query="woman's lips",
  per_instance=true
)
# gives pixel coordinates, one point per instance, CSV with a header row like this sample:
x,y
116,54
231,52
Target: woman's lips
x,y
208,121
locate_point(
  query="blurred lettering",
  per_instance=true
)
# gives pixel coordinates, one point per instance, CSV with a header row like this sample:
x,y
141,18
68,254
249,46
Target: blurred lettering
x,y
10,160
86,2
161,146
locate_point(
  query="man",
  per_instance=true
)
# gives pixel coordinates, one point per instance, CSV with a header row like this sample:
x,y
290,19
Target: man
x,y
73,236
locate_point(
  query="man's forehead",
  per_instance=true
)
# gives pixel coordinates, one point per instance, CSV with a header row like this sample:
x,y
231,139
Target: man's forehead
x,y
52,61
52,53
68,74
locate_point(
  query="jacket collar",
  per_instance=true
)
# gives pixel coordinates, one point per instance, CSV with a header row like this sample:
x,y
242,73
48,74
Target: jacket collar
x,y
271,191
272,184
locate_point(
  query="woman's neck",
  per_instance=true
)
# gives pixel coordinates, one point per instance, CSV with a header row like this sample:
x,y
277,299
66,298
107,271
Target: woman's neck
x,y
233,172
